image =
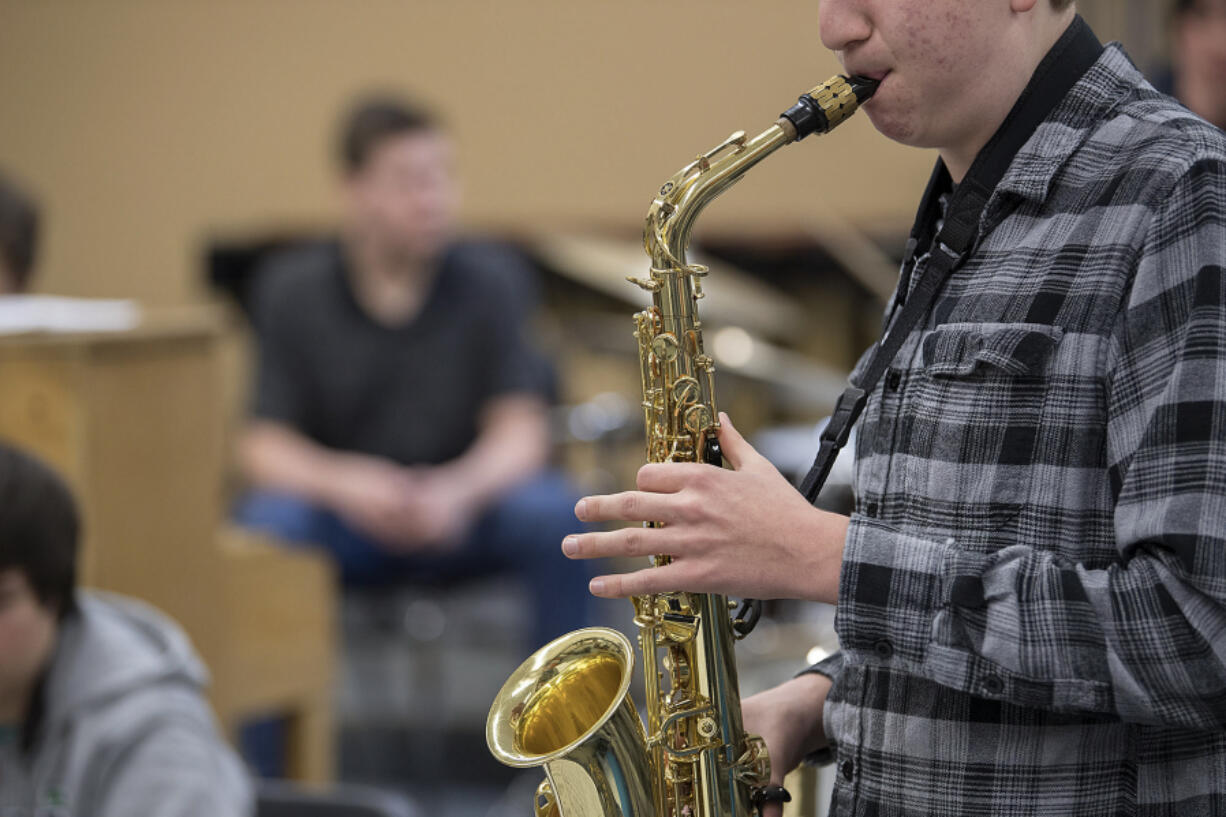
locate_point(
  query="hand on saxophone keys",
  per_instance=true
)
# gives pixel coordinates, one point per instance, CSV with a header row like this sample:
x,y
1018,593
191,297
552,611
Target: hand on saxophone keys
x,y
742,532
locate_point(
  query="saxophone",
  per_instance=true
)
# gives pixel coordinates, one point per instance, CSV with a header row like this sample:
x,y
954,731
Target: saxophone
x,y
567,708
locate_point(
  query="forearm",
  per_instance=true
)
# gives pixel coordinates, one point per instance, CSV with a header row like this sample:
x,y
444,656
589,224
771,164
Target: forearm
x,y
789,719
811,689
512,445
275,457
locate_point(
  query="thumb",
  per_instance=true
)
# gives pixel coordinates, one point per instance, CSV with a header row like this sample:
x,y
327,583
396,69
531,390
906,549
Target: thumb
x,y
737,451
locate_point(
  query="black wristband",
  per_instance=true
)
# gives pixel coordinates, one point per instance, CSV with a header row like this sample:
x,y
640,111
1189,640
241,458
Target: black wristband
x,y
774,793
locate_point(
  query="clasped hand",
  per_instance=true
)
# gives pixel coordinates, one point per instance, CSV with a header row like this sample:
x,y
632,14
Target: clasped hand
x,y
403,509
743,532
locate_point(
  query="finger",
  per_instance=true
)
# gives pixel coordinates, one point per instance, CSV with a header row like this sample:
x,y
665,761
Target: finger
x,y
736,449
666,477
772,810
631,542
639,583
627,506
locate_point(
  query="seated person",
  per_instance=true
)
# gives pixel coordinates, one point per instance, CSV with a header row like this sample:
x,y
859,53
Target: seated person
x,y
101,705
400,414
18,237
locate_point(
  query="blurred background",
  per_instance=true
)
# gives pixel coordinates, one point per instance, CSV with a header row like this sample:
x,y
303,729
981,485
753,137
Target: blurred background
x,y
171,145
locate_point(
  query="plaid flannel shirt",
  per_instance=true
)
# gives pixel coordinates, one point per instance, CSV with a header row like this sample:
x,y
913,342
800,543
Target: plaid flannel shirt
x,y
1032,605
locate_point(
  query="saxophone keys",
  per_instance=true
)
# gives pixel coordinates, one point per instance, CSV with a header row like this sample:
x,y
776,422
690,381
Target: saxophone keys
x,y
678,628
665,347
697,418
546,803
754,765
646,284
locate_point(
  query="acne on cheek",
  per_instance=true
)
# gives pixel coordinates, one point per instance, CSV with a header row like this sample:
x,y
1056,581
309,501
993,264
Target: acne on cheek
x,y
928,39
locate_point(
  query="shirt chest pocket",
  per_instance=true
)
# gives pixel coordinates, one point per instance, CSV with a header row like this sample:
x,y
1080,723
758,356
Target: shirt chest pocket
x,y
971,422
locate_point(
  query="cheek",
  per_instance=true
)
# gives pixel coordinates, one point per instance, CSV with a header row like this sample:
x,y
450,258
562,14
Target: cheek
x,y
388,213
25,642
947,41
931,32
1208,42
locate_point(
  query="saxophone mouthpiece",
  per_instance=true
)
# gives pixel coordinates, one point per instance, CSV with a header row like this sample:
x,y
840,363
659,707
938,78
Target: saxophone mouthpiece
x,y
863,87
828,105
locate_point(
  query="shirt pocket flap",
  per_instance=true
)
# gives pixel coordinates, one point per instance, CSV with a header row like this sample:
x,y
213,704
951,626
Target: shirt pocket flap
x,y
1017,349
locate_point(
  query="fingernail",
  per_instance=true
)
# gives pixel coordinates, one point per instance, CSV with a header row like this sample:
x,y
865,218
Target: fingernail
x,y
581,508
570,545
596,586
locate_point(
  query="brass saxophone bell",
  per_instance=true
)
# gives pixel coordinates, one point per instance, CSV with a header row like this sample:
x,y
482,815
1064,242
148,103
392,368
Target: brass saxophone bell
x,y
568,710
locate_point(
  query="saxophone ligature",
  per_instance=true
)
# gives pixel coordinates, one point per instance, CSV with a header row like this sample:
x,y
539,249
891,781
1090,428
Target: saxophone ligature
x,y
567,709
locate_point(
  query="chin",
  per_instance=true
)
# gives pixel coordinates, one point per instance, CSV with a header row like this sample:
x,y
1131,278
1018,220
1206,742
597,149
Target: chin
x,y
892,126
422,248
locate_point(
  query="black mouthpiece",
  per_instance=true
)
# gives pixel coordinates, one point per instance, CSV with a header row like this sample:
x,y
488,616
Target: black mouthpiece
x,y
827,105
863,87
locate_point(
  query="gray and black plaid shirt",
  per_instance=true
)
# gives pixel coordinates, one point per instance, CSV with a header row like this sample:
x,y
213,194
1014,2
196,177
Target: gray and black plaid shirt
x,y
1032,606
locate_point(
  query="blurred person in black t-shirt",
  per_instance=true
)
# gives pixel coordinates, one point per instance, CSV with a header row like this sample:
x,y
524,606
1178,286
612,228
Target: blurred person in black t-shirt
x,y
18,237
400,413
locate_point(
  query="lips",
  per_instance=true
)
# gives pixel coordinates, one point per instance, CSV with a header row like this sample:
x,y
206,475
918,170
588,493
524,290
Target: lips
x,y
877,75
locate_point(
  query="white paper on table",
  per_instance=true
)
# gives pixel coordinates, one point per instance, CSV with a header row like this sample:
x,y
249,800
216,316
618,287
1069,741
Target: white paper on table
x,y
50,313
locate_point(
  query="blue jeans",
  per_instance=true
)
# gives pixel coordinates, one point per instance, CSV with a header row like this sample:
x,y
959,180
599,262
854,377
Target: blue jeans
x,y
521,535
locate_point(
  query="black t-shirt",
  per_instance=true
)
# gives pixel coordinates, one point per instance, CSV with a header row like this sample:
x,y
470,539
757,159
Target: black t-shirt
x,y
412,393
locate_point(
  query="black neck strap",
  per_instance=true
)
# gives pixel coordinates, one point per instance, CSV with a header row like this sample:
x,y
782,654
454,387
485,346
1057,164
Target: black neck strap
x,y
1064,65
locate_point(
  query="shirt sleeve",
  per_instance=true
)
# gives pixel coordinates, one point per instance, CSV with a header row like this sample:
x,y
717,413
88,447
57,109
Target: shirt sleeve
x,y
517,366
1144,639
277,392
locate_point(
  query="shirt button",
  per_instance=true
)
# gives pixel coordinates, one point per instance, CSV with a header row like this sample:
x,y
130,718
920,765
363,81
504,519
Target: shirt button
x,y
871,509
884,649
993,684
893,380
848,769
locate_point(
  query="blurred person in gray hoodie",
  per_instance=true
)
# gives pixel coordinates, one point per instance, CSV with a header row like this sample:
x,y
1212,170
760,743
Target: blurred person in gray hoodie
x,y
102,712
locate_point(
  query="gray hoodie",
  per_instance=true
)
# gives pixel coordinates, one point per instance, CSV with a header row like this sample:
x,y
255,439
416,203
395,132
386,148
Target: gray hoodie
x,y
125,730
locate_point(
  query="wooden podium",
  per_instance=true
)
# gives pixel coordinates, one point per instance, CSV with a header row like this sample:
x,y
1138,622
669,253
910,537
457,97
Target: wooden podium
x,y
134,421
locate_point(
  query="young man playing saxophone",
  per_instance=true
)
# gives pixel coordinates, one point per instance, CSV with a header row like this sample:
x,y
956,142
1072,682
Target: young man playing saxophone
x,y
1031,591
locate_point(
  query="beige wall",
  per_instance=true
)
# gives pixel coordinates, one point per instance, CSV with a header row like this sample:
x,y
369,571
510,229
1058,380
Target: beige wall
x,y
148,125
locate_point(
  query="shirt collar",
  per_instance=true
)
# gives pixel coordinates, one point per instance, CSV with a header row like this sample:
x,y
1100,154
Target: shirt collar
x,y
1068,127
1077,50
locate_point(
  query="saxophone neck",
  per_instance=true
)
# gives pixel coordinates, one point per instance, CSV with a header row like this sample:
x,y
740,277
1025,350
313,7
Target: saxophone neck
x,y
670,219
666,235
